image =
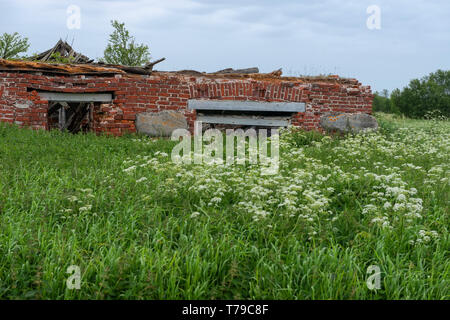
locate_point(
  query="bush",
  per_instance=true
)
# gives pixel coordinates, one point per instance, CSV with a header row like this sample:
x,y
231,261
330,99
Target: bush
x,y
424,95
435,115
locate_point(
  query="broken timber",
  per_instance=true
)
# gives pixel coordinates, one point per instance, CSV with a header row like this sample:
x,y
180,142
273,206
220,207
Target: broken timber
x,y
238,71
65,51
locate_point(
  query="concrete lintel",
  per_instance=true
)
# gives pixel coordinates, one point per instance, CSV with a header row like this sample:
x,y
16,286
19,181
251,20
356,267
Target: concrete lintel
x,y
76,97
237,105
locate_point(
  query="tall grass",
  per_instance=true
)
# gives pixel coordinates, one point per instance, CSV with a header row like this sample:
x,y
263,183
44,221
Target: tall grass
x,y
73,200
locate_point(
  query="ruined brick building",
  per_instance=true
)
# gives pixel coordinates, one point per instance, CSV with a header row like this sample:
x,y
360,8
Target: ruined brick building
x,y
105,98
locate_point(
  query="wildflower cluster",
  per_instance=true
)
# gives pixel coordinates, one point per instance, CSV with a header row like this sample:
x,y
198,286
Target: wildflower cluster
x,y
317,175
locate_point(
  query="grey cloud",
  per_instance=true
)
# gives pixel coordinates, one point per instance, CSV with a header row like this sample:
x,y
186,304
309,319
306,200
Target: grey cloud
x,y
325,36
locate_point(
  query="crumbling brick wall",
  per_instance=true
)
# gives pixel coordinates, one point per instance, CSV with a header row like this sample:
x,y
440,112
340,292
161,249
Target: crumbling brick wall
x,y
20,102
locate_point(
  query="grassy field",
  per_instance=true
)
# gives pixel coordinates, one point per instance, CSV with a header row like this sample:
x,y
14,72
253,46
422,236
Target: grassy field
x,y
141,227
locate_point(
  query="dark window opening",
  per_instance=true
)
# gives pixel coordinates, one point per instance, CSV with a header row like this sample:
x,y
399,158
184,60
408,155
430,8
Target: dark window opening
x,y
74,117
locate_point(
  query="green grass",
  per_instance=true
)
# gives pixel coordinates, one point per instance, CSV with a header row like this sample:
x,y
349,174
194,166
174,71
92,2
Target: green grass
x,y
337,206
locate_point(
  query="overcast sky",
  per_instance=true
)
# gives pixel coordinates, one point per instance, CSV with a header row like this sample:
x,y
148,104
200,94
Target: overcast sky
x,y
303,37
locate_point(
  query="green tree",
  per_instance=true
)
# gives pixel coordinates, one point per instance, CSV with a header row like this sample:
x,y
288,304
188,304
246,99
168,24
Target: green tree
x,y
382,102
122,49
11,45
422,96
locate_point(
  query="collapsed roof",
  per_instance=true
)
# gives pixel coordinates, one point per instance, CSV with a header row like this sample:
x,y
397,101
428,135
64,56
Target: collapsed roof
x,y
57,68
54,60
62,59
111,70
64,50
78,64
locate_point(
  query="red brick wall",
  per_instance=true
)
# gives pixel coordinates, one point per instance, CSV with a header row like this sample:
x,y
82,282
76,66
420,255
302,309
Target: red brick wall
x,y
21,104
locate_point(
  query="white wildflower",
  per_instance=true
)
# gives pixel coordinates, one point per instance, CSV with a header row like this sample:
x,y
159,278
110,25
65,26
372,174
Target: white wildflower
x,y
85,208
130,169
195,214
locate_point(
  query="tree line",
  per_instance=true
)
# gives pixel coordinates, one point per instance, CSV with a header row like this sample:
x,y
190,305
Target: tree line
x,y
428,97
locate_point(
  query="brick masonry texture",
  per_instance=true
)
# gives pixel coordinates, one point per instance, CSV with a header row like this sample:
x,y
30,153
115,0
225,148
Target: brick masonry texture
x,y
20,102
